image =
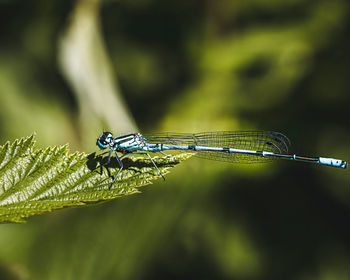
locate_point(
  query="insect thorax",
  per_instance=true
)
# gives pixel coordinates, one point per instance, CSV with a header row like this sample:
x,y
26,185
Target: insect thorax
x,y
129,143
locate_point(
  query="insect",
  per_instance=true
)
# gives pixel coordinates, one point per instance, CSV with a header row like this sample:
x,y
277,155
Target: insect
x,y
229,146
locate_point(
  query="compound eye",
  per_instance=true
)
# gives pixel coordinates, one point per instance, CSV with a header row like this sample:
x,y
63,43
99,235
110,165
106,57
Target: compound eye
x,y
102,143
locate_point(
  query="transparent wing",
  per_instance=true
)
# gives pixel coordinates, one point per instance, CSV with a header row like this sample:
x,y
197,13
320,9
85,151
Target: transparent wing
x,y
267,141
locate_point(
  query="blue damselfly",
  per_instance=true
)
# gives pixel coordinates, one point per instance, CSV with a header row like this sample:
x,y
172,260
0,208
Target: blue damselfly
x,y
230,146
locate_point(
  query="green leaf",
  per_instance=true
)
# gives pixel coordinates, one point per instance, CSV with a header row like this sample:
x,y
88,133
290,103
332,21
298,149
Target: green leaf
x,y
37,181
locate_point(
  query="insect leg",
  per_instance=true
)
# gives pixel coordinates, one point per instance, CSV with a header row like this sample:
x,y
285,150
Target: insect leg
x,y
165,154
120,169
160,173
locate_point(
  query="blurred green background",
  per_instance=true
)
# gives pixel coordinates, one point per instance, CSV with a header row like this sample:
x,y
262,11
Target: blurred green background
x,y
69,69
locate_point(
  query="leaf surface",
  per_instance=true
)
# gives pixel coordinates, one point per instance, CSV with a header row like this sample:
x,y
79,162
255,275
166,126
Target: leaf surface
x,y
37,181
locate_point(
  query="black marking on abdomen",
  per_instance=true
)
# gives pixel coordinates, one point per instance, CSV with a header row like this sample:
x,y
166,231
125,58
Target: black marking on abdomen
x,y
193,148
226,150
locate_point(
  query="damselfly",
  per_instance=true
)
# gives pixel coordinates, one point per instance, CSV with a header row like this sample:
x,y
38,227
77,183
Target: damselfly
x,y
239,147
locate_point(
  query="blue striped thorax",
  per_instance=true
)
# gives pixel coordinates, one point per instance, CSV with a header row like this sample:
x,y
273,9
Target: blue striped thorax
x,y
126,143
130,142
